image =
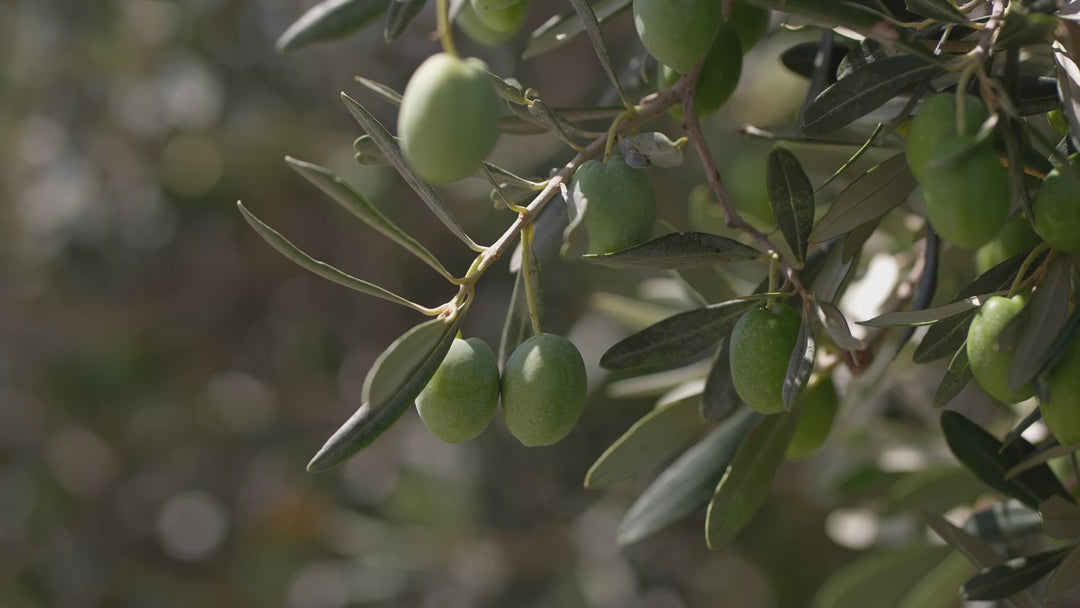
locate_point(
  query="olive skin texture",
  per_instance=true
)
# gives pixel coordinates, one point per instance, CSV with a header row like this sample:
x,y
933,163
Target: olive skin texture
x,y
621,207
719,74
1057,208
935,123
989,364
500,15
543,389
818,407
1015,237
449,118
477,30
966,193
678,33
761,345
460,400
1061,412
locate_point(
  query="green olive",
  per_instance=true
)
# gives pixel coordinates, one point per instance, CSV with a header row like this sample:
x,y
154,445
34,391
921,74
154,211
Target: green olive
x,y
459,401
477,30
989,363
449,118
678,33
1057,121
818,407
966,193
936,122
500,15
543,389
761,345
1057,208
1015,237
621,208
719,74
750,21
1061,411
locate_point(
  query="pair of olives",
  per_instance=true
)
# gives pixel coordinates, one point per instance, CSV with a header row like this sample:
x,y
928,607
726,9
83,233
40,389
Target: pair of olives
x,y
542,388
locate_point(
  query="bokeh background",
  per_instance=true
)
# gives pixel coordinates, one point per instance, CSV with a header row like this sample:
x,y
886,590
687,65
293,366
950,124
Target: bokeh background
x,y
165,375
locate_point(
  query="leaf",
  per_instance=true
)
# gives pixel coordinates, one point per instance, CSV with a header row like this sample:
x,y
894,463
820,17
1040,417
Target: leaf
x,y
368,153
686,485
596,36
657,383
1041,457
1004,521
389,146
929,316
983,455
868,197
1014,576
1065,576
849,14
879,578
863,91
956,378
1060,518
355,203
563,28
837,326
324,270
746,483
678,250
792,199
517,327
653,148
327,20
938,588
385,91
1068,81
396,378
940,10
934,488
399,16
653,439
800,364
1046,314
719,398
676,337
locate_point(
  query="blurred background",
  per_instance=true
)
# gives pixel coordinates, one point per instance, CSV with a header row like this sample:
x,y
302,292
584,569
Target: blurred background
x,y
165,376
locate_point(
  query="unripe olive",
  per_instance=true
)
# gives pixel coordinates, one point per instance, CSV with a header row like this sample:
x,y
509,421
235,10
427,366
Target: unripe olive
x,y
818,410
966,193
621,208
1015,237
543,389
477,30
750,21
989,363
1057,208
936,122
460,400
761,345
449,118
719,74
677,32
500,15
1057,121
1061,411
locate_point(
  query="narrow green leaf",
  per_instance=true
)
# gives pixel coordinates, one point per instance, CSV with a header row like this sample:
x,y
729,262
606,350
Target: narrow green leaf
x,y
396,378
863,91
657,383
929,316
792,199
934,488
708,283
868,197
850,14
676,337
746,483
324,270
563,28
979,552
938,588
1047,311
1004,522
837,326
1015,575
955,379
678,250
355,203
800,364
984,456
368,153
879,578
1065,576
1060,517
653,439
1068,81
940,10
719,398
686,485
328,20
399,16
380,89
389,146
517,327
591,23
1041,457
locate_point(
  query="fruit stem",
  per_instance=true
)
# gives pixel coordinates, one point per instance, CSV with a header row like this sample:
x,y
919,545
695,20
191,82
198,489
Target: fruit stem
x,y
774,278
613,130
1019,281
442,16
530,274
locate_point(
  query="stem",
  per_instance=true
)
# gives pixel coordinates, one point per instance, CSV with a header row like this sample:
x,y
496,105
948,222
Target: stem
x,y
442,16
1028,261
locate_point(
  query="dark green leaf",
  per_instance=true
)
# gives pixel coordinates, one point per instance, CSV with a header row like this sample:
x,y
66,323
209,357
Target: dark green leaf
x,y
849,14
517,327
863,91
686,485
1042,456
677,337
1015,575
396,378
399,16
938,588
1060,517
792,199
1046,314
879,578
590,21
563,28
867,198
653,439
837,326
678,250
940,10
719,398
928,316
956,378
1068,79
1065,576
983,455
1004,522
800,364
746,483
327,20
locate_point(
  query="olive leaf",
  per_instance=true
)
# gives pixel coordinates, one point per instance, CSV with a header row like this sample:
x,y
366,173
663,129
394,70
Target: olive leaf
x,y
657,436
866,198
328,20
1068,81
1065,576
1041,457
879,578
837,326
929,316
719,399
399,15
686,485
1004,521
792,199
939,10
1013,576
745,485
563,28
391,386
1060,517
591,23
938,588
517,327
368,152
653,148
956,377
678,250
382,90
1047,312
800,364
